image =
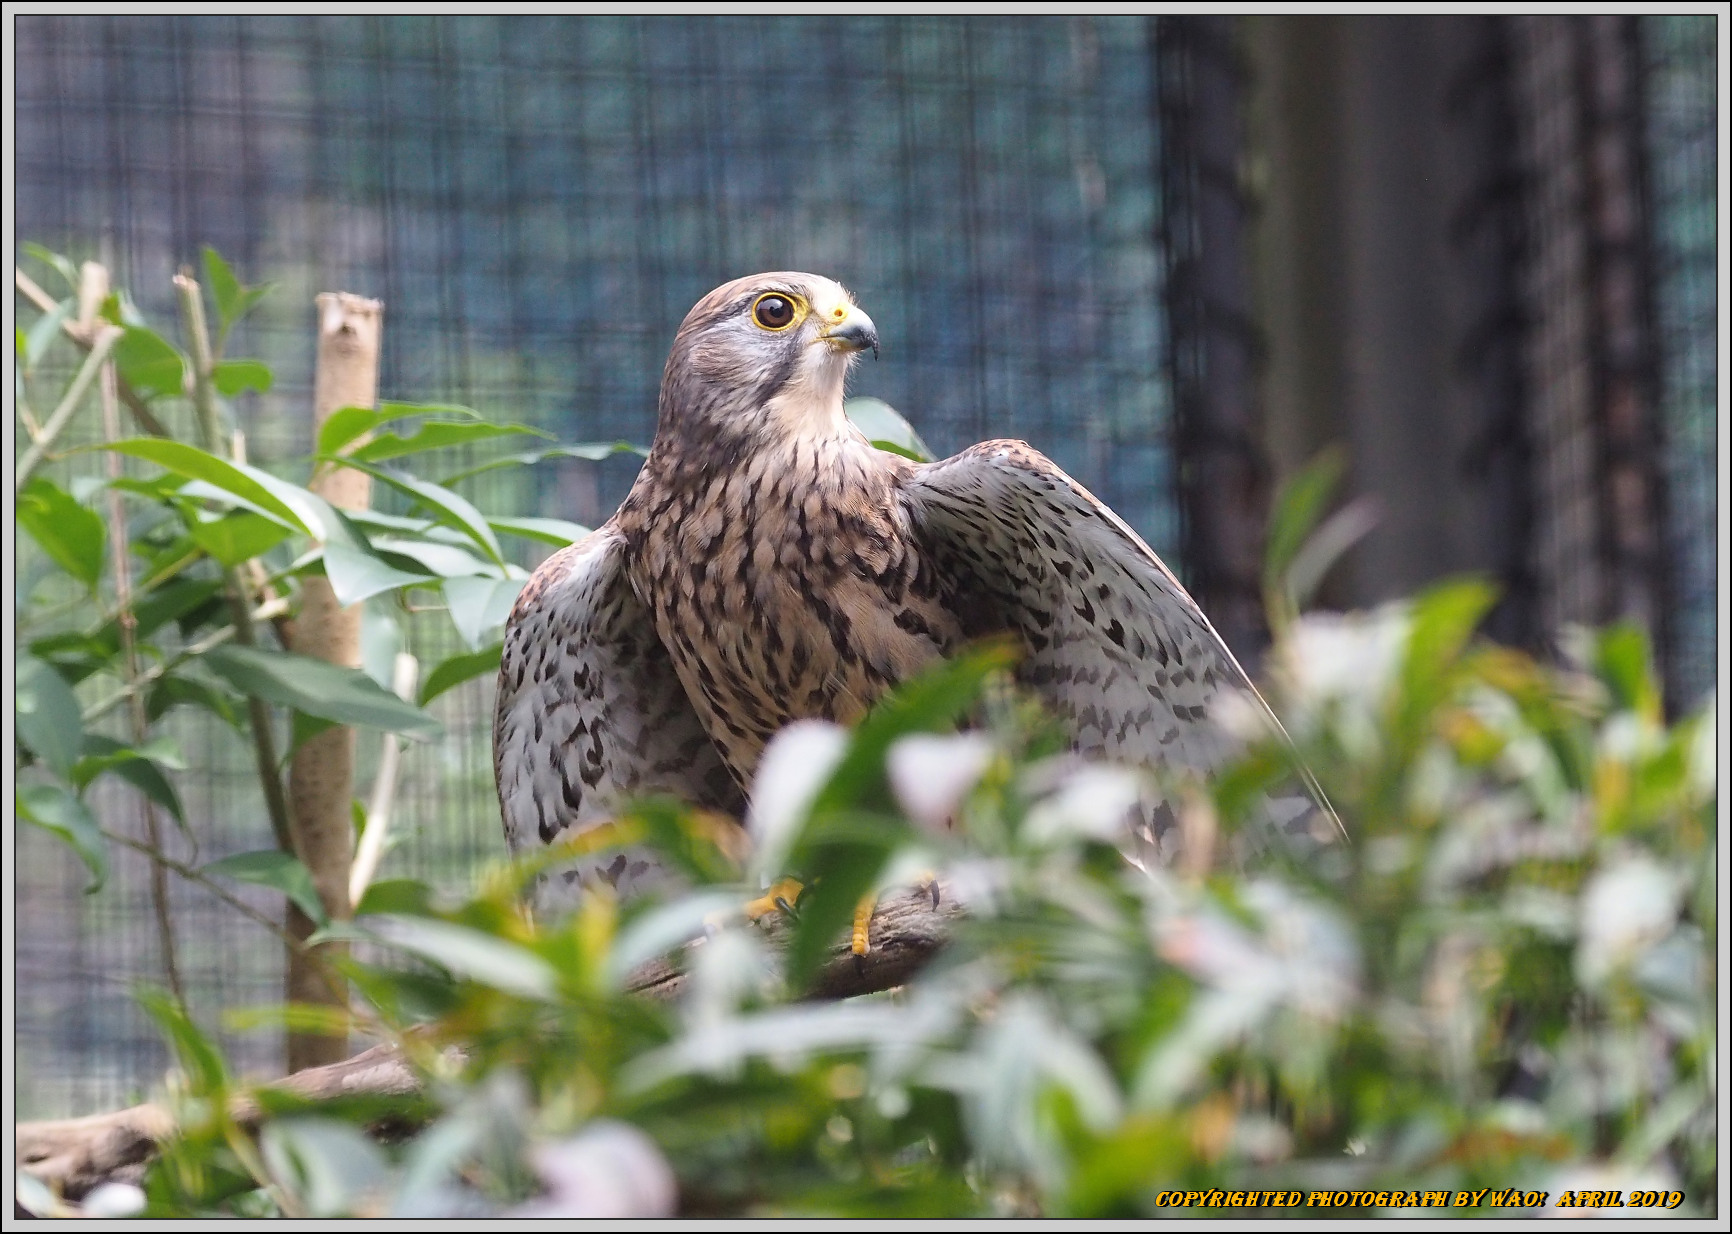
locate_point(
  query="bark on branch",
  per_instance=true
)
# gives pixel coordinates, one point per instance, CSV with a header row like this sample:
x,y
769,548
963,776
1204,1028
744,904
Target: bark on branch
x,y
75,1155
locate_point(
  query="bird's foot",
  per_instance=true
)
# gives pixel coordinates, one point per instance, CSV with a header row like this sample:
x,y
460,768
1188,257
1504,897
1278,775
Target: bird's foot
x,y
862,943
863,923
780,898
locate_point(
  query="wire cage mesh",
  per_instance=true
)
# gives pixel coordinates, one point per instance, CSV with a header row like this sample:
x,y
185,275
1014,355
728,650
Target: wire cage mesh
x,y
1044,216
538,201
1680,136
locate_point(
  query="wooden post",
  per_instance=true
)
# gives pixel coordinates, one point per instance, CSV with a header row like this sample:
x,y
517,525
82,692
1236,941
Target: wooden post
x,y
322,772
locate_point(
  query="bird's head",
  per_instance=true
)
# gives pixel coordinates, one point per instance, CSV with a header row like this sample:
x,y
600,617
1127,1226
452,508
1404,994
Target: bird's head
x,y
767,354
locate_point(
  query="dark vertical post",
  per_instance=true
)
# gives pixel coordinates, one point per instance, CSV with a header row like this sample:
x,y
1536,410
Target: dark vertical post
x,y
1488,241
1591,358
1213,356
1620,305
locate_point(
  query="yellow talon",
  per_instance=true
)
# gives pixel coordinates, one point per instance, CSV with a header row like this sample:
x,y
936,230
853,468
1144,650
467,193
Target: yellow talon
x,y
787,891
863,922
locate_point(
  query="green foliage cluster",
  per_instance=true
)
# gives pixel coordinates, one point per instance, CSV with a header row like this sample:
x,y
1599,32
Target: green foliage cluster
x,y
205,524
1503,977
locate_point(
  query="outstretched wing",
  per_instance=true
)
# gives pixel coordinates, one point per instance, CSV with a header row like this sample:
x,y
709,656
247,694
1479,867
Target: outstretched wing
x,y
589,711
1115,645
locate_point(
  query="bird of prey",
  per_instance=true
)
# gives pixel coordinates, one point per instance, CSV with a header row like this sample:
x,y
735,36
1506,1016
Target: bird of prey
x,y
770,564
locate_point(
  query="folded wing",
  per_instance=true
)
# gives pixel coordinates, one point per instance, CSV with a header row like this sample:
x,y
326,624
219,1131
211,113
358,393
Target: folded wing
x,y
589,712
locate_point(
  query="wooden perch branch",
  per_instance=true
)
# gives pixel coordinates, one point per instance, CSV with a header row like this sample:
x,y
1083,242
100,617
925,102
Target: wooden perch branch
x,y
76,1155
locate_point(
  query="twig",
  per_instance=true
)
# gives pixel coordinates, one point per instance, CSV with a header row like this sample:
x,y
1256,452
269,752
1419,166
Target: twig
x,y
261,579
258,711
59,418
136,406
95,285
191,651
31,427
192,875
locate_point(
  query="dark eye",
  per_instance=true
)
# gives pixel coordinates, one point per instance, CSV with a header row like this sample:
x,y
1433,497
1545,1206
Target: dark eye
x,y
773,311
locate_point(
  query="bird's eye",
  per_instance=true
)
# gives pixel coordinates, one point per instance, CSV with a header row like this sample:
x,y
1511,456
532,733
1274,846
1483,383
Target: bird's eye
x,y
774,311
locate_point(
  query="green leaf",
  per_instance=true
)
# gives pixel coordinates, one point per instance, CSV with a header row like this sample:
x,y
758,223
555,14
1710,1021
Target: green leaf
x,y
1298,506
176,691
232,376
119,309
1444,618
302,728
54,809
63,265
479,605
238,537
471,955
446,507
137,767
460,668
593,451
44,332
149,363
555,531
69,533
1325,546
276,869
233,299
49,720
330,691
345,425
198,1056
330,1166
225,288
438,435
1625,662
885,427
348,423
381,642
355,575
398,896
161,605
436,557
160,488
259,491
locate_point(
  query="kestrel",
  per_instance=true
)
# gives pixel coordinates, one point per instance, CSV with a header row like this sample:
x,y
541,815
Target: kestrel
x,y
770,564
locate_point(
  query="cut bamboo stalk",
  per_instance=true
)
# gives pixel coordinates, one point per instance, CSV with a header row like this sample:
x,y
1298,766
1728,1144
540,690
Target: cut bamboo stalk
x,y
322,772
371,849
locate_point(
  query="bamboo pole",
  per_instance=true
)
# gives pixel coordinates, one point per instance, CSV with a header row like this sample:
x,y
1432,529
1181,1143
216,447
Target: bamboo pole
x,y
322,771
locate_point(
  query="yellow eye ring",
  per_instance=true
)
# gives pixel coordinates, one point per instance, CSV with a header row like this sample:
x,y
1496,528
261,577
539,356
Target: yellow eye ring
x,y
777,311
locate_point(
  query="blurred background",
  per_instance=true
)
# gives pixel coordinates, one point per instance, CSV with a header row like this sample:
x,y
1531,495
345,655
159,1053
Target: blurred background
x,y
1179,255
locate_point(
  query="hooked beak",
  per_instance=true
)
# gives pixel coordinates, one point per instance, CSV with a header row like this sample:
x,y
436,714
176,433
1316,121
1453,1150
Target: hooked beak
x,y
855,333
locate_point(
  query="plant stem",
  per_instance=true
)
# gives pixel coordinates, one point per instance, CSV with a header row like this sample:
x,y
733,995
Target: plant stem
x,y
209,884
62,414
258,711
191,651
129,667
139,409
192,875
